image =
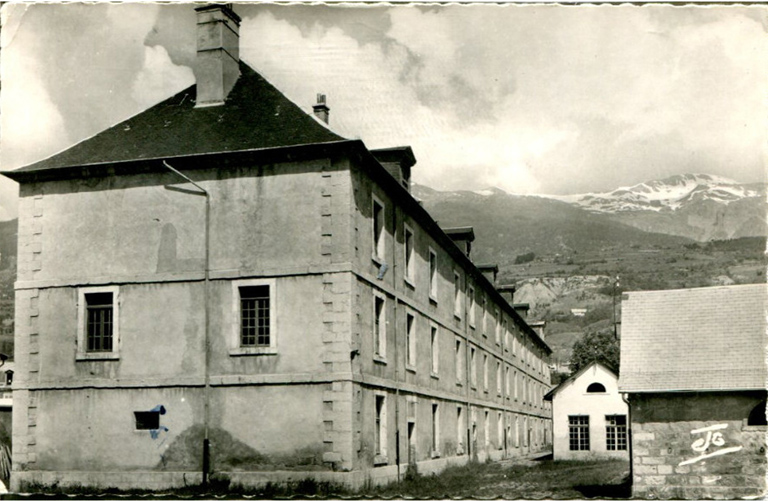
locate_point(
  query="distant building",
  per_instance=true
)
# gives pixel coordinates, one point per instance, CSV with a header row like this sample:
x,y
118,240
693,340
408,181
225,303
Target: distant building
x,y
589,417
315,323
693,366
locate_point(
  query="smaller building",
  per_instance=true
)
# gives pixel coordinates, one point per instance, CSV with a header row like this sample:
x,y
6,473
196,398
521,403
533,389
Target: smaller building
x,y
589,417
693,366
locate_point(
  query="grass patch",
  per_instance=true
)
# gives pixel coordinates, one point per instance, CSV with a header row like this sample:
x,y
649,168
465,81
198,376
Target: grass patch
x,y
508,480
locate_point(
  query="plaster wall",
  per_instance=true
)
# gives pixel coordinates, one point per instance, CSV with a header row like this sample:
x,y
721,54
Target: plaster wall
x,y
573,399
697,445
127,227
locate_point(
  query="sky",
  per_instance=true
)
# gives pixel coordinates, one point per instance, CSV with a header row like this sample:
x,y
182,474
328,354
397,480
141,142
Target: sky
x,y
529,98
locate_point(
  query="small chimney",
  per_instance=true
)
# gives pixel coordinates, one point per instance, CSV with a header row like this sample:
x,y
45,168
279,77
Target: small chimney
x,y
217,66
321,110
398,162
489,271
507,292
522,309
463,237
539,327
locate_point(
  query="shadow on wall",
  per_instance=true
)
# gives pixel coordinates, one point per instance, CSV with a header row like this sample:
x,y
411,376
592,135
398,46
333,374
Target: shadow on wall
x,y
185,453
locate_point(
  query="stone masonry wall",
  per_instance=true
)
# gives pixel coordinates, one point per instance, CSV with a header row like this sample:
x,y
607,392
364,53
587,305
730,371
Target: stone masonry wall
x,y
698,460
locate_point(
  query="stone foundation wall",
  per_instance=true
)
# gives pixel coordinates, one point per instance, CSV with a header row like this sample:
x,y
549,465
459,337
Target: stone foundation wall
x,y
698,460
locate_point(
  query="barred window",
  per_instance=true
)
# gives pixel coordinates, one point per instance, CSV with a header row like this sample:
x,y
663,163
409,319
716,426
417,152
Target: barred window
x,y
578,433
99,320
616,432
254,316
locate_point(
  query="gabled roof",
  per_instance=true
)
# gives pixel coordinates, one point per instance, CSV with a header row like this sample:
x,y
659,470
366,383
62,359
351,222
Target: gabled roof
x,y
256,115
711,338
576,376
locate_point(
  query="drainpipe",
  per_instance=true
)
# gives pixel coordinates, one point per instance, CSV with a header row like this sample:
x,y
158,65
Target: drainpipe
x,y
206,313
625,398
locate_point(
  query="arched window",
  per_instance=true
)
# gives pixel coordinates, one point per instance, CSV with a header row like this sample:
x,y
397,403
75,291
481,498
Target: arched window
x,y
596,388
757,416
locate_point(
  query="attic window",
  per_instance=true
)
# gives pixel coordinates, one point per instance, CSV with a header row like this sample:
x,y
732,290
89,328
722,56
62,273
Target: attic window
x,y
596,388
757,416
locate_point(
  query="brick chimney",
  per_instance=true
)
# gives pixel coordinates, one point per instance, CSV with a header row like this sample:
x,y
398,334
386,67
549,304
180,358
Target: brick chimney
x,y
321,109
217,66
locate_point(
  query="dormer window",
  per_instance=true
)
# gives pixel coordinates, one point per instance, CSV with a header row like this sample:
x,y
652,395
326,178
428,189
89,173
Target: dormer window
x,y
596,388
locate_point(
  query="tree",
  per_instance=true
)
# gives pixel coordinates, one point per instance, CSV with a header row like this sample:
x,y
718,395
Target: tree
x,y
599,346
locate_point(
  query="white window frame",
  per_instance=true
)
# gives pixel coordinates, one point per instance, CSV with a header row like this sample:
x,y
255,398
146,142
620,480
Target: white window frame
x,y
460,429
507,383
435,422
485,372
410,340
457,300
433,275
497,326
380,351
235,349
409,258
499,430
434,343
378,242
487,428
459,362
498,377
505,328
82,341
473,366
472,308
485,317
380,447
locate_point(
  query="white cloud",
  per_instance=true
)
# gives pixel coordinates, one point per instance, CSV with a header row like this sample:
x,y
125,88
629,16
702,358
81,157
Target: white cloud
x,y
159,78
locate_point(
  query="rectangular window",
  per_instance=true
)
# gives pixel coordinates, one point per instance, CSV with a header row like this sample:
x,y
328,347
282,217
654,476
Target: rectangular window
x,y
99,308
98,323
379,326
459,363
506,335
616,432
517,431
578,433
516,385
499,431
485,372
254,316
485,318
498,377
412,413
410,340
460,430
473,366
378,229
432,275
434,348
435,430
506,381
409,255
497,326
471,293
380,425
487,429
457,294
147,420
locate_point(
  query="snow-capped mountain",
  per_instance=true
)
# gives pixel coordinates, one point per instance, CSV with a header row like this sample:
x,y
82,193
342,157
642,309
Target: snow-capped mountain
x,y
672,193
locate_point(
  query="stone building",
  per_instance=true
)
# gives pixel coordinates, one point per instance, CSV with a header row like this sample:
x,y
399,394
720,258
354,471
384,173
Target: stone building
x,y
693,366
292,311
589,417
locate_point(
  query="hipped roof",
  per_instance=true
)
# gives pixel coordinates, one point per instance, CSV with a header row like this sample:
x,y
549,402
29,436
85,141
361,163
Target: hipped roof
x,y
255,116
